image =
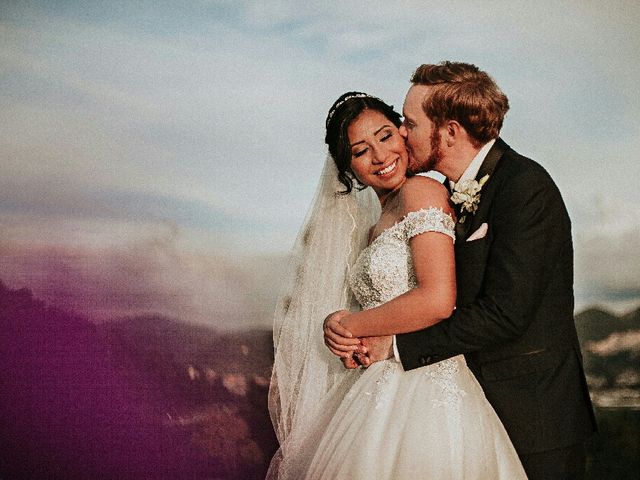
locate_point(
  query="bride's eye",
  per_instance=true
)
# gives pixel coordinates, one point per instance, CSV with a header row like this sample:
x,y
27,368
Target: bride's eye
x,y
359,153
386,137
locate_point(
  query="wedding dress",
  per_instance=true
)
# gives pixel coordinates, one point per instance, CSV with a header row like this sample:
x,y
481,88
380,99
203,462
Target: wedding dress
x,y
432,422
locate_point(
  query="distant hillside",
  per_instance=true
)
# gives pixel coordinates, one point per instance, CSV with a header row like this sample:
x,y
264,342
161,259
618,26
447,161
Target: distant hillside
x,y
611,348
134,399
196,365
248,351
170,399
595,324
65,409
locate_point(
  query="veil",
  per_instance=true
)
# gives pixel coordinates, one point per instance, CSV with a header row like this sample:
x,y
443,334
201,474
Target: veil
x,y
308,381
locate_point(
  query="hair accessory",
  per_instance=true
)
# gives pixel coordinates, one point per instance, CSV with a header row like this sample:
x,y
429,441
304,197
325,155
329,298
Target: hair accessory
x,y
341,102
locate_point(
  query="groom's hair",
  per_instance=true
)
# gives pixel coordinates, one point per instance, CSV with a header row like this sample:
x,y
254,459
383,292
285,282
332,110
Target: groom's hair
x,y
464,93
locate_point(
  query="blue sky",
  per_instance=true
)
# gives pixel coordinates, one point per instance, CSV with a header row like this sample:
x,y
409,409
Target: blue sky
x,y
123,120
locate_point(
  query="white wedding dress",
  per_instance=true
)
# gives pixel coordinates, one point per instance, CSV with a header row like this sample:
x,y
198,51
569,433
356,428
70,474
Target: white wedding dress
x,y
433,422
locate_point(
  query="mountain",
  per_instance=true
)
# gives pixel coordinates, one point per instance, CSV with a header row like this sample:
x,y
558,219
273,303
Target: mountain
x,y
152,397
214,385
247,351
632,318
196,365
611,350
595,324
69,409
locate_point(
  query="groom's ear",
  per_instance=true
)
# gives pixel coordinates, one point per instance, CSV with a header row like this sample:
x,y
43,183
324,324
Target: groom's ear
x,y
452,132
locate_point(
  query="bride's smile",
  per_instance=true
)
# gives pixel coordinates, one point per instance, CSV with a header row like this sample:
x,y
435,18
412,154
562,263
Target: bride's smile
x,y
388,169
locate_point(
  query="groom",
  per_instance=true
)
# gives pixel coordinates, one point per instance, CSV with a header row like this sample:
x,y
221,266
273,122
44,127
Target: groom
x,y
514,266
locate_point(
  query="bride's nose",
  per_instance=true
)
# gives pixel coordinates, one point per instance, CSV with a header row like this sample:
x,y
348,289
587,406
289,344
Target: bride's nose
x,y
379,155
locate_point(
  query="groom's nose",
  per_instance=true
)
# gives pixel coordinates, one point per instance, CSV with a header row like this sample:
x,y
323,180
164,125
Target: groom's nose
x,y
403,131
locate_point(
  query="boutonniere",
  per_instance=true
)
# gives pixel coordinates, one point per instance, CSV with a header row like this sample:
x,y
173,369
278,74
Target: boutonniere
x,y
467,195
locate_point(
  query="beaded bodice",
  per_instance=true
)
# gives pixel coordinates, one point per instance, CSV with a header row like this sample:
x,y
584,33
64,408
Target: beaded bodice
x,y
384,269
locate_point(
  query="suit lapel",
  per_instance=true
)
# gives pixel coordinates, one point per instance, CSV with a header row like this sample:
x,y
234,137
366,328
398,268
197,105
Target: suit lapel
x,y
491,160
487,168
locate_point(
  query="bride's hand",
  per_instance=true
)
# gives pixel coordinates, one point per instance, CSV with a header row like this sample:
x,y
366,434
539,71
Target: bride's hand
x,y
350,363
337,338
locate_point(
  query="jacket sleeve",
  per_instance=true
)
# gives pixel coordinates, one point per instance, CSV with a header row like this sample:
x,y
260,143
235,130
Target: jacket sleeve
x,y
530,227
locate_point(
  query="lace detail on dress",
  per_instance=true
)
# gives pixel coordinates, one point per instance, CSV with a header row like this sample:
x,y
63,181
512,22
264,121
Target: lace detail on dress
x,y
443,373
429,220
381,393
384,269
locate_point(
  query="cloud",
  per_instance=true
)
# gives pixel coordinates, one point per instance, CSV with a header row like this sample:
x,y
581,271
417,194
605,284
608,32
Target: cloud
x,y
148,276
606,238
222,104
616,343
119,205
190,117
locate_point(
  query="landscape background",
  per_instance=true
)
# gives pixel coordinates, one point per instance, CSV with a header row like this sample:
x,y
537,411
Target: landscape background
x,y
158,158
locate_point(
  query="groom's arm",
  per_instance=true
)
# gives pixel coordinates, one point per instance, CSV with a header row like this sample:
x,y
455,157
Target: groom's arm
x,y
530,229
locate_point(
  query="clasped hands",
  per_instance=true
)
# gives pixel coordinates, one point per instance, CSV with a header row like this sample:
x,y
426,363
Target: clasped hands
x,y
354,351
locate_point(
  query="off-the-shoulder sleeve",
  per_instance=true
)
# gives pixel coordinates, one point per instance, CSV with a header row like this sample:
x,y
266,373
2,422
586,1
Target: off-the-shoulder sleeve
x,y
429,220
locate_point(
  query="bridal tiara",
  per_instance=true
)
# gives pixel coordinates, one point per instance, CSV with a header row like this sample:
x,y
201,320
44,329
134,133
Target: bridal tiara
x,y
345,99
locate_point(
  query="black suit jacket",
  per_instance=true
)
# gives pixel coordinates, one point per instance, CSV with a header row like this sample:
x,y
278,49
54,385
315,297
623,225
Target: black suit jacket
x,y
514,314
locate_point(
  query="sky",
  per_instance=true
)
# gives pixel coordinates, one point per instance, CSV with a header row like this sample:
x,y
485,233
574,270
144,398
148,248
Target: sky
x,y
177,145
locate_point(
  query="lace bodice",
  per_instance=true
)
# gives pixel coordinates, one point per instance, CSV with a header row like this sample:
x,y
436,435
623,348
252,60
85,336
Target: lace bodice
x,y
384,269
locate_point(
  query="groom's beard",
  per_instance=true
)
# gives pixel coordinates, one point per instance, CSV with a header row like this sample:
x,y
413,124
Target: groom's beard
x,y
434,158
436,153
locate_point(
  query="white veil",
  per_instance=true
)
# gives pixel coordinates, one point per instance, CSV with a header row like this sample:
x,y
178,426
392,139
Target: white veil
x,y
308,381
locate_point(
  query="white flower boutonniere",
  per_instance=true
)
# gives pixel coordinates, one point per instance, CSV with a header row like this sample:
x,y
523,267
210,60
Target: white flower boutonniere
x,y
467,195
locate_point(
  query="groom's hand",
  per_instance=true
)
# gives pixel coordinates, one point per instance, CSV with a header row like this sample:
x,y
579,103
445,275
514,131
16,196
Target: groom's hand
x,y
340,340
378,348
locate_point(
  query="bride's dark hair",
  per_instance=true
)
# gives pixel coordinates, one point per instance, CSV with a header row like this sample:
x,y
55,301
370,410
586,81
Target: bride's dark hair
x,y
344,111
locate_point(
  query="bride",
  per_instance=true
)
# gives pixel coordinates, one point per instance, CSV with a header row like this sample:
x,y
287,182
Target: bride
x,y
380,422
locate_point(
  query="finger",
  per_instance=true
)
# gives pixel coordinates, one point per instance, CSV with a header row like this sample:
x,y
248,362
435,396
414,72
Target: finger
x,y
338,346
352,343
364,360
340,353
335,317
362,349
349,363
339,329
341,339
356,348
358,360
341,346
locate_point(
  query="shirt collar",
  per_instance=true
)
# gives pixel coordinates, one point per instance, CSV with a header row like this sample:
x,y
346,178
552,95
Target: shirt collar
x,y
474,167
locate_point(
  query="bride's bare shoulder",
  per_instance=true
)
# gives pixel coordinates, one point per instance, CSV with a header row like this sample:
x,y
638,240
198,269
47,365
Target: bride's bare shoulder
x,y
424,192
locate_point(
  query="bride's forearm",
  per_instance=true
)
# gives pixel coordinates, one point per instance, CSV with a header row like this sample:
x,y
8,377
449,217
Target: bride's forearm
x,y
411,311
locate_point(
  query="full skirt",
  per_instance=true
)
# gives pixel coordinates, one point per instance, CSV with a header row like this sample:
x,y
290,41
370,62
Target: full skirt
x,y
429,423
